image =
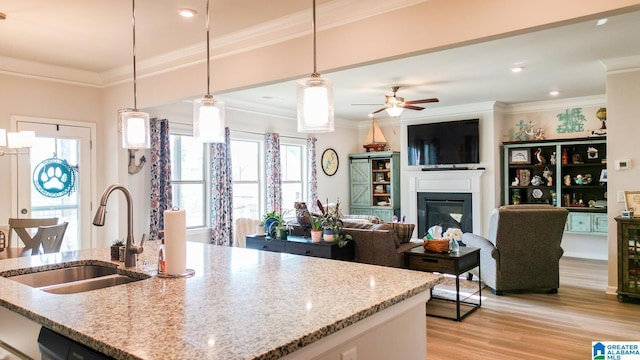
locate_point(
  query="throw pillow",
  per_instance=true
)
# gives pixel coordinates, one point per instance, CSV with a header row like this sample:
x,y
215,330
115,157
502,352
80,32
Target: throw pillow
x,y
403,231
389,227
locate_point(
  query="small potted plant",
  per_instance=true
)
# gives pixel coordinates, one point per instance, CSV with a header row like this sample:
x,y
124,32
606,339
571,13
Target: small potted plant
x,y
316,229
115,249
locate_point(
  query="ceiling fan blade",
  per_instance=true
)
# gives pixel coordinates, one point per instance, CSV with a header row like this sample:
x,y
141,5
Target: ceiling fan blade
x,y
422,101
377,111
413,107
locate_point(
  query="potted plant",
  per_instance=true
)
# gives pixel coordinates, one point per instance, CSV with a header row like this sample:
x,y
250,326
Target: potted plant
x,y
316,229
115,249
270,221
331,222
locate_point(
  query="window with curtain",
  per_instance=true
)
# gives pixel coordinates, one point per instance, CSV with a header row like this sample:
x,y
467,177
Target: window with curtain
x,y
188,178
292,165
247,186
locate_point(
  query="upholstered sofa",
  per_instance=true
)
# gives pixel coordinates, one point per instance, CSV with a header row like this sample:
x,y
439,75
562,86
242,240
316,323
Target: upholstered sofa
x,y
522,251
377,244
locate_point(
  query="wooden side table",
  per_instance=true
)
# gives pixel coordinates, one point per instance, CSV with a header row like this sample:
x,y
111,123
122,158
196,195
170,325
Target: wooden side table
x,y
448,263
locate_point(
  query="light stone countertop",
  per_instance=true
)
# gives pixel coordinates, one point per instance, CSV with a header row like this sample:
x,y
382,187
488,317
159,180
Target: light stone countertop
x,y
241,303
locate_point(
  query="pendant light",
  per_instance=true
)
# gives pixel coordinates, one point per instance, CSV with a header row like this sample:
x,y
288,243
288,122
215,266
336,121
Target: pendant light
x,y
136,131
208,113
315,97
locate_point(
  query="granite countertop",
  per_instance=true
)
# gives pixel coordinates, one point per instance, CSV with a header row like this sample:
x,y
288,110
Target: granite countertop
x,y
240,304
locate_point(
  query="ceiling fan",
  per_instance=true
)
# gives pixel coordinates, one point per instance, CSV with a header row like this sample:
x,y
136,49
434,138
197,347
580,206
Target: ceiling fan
x,y
395,105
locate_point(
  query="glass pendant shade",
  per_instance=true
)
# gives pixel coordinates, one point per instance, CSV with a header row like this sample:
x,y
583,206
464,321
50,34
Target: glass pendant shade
x,y
22,139
315,105
136,131
394,110
208,120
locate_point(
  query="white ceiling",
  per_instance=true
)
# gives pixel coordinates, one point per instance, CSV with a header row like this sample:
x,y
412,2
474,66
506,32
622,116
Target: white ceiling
x,y
83,40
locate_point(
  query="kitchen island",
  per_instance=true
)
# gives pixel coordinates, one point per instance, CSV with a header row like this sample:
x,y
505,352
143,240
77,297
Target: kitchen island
x,y
240,304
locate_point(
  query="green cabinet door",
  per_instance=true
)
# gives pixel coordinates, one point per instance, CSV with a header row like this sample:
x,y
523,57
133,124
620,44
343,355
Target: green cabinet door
x,y
360,175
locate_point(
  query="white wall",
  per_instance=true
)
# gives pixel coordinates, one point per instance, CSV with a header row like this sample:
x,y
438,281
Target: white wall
x,y
623,107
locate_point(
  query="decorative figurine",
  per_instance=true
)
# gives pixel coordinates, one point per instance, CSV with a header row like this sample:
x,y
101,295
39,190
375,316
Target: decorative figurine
x,y
539,157
578,179
549,181
567,180
536,180
552,158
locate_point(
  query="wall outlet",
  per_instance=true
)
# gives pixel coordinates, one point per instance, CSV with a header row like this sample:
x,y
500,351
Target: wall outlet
x,y
349,354
620,194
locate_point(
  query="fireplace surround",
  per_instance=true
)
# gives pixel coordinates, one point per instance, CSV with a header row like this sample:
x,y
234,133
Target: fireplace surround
x,y
443,182
449,210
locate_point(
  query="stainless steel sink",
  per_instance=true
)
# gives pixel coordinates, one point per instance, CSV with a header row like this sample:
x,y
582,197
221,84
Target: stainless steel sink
x,y
76,279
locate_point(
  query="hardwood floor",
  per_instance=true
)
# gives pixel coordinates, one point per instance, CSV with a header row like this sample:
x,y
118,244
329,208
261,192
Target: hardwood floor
x,y
540,325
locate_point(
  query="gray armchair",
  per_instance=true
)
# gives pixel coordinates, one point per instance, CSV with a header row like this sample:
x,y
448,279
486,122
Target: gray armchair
x,y
523,249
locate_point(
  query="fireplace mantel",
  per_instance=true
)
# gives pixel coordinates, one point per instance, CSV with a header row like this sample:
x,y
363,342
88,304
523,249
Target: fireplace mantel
x,y
450,181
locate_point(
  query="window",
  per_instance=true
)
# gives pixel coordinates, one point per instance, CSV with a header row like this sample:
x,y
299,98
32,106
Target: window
x,y
247,195
188,178
292,164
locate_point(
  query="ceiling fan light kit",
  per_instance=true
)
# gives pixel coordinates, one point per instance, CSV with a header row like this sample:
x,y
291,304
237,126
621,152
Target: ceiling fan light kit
x,y
208,113
395,105
315,97
136,130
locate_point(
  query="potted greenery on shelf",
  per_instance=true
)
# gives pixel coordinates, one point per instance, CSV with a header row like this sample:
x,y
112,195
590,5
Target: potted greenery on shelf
x,y
115,249
275,225
333,225
316,228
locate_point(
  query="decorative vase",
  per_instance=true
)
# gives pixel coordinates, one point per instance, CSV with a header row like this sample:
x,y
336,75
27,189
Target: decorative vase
x,y
316,236
329,235
282,234
454,247
115,252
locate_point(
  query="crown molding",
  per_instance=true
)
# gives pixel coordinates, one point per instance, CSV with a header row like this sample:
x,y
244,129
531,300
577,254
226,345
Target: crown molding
x,y
622,65
333,14
596,100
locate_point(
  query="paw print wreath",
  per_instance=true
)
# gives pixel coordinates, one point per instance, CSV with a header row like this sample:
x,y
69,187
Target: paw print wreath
x,y
55,177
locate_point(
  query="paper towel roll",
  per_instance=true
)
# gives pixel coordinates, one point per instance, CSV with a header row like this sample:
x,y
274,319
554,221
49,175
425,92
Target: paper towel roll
x,y
175,241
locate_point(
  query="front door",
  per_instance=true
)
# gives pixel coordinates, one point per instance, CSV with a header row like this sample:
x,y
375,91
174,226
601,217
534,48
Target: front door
x,y
55,179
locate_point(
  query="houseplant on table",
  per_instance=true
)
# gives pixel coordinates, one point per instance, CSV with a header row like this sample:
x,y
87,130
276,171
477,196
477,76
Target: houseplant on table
x,y
316,229
115,249
333,225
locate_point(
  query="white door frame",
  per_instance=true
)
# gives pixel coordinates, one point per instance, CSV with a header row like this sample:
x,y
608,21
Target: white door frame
x,y
87,214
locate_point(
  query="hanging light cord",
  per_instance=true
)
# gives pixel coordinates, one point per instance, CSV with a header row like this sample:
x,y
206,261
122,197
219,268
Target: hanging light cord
x,y
135,100
313,27
208,69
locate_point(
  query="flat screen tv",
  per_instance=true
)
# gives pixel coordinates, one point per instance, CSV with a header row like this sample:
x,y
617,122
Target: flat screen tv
x,y
444,143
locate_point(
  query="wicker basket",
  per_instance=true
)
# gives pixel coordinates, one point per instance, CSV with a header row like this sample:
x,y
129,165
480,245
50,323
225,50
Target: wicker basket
x,y
436,245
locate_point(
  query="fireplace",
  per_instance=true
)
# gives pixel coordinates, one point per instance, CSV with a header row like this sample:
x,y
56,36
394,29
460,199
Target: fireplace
x,y
444,209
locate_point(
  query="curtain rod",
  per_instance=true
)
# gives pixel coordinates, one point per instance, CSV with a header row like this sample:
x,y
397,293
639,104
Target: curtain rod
x,y
257,133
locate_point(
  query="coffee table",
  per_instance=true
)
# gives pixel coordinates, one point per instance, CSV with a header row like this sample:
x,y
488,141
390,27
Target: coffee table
x,y
465,259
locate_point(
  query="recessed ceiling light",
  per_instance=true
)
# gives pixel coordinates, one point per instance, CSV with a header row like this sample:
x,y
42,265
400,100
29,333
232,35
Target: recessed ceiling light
x,y
516,69
187,13
601,22
554,93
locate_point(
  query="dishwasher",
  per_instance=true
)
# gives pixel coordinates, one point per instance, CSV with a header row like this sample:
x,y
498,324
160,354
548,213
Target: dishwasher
x,y
54,346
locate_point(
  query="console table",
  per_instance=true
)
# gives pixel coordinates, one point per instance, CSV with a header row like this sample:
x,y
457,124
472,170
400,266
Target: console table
x,y
302,246
464,260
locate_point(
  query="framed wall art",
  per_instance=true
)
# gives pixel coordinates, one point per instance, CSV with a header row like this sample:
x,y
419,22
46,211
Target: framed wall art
x,y
519,156
632,202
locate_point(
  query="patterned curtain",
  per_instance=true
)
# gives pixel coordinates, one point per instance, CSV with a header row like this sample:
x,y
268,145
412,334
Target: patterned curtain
x,y
274,178
221,192
161,197
312,191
